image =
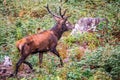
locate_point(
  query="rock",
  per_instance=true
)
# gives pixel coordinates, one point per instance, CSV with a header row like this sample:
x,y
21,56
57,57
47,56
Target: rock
x,y
7,61
87,24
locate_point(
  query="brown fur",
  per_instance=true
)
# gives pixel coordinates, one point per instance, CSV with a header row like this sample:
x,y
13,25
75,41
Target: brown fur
x,y
38,42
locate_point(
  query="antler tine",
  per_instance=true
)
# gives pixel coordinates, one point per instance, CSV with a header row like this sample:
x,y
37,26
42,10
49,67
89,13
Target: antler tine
x,y
64,12
47,7
60,12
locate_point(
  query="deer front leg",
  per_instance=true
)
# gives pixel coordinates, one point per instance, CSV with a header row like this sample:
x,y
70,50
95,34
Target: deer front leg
x,y
58,55
40,59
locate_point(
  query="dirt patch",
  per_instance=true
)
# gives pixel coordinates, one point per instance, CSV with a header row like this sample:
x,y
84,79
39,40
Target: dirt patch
x,y
5,72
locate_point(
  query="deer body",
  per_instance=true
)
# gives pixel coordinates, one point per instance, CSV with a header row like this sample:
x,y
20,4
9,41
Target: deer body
x,y
43,41
38,42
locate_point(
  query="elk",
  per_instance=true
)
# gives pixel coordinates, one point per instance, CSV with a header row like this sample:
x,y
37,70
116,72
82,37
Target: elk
x,y
44,41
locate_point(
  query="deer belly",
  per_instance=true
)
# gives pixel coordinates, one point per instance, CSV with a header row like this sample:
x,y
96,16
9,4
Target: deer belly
x,y
41,50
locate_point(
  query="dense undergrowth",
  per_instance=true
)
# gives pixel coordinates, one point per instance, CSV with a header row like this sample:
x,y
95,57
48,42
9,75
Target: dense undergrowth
x,y
19,18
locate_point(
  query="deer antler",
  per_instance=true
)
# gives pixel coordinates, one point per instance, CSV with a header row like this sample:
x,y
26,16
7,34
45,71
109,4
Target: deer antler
x,y
64,12
62,15
47,7
60,12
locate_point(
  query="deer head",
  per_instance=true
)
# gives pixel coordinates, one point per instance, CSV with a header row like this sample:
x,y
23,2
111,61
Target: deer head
x,y
61,19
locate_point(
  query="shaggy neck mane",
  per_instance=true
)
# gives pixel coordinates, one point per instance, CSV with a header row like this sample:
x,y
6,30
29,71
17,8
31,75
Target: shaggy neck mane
x,y
57,30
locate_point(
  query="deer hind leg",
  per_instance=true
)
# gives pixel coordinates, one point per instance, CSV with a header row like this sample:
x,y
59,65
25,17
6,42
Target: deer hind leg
x,y
21,60
40,59
24,53
57,54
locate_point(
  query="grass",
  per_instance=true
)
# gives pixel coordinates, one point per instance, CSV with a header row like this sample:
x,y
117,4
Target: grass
x,y
21,18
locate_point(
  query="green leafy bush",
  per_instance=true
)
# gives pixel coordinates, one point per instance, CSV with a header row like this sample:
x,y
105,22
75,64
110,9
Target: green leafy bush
x,y
108,58
101,75
88,38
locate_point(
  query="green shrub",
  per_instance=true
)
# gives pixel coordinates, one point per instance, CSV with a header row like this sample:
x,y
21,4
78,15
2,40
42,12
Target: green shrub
x,y
99,75
88,38
108,58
